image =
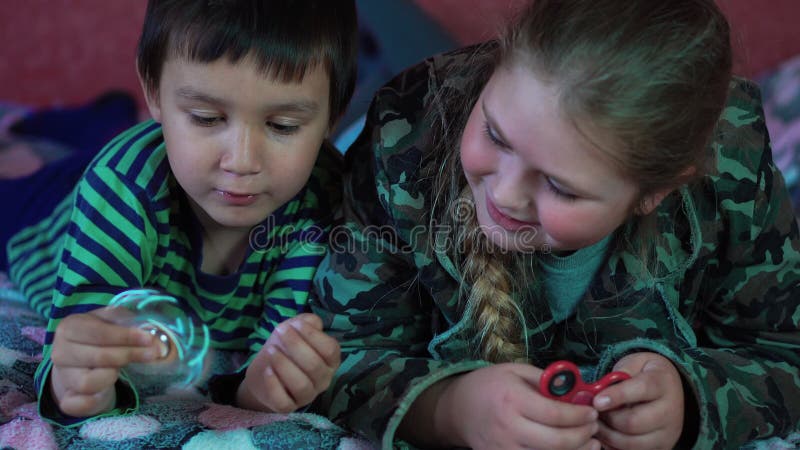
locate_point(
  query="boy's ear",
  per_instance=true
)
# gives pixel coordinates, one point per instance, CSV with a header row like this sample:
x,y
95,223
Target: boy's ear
x,y
151,98
651,201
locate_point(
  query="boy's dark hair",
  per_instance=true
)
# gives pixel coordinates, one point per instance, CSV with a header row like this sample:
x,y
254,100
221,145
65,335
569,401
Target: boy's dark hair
x,y
284,38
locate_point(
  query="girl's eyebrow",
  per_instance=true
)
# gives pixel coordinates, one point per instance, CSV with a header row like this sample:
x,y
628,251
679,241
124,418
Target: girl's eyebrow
x,y
561,182
301,106
493,124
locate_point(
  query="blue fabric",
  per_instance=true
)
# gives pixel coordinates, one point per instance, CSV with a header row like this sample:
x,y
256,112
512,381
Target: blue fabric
x,y
85,129
28,200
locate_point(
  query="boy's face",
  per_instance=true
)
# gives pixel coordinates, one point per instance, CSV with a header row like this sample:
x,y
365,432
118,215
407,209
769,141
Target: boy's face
x,y
240,145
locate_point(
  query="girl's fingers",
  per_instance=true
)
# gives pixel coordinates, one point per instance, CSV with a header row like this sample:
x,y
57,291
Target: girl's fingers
x,y
554,437
636,419
615,439
638,389
554,413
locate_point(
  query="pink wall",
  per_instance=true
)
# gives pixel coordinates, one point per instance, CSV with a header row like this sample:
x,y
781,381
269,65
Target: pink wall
x,y
61,52
58,52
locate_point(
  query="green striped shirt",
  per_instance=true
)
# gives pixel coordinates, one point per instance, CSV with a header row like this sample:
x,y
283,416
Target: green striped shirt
x,y
128,224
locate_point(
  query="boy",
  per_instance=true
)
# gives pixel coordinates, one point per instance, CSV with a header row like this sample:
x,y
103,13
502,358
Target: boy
x,y
222,201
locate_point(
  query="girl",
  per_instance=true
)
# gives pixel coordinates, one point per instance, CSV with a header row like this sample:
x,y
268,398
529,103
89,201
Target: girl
x,y
591,187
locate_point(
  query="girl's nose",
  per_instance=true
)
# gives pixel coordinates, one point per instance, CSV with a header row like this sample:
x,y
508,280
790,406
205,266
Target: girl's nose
x,y
511,187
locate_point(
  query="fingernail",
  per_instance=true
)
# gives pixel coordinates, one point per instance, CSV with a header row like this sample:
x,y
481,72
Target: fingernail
x,y
144,338
281,329
271,350
602,402
594,415
269,372
149,354
298,325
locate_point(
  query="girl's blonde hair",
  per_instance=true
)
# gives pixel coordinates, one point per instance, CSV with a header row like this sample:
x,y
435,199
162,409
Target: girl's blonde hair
x,y
651,75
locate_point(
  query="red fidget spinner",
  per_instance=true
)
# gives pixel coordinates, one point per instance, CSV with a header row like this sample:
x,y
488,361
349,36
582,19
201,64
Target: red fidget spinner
x,y
562,381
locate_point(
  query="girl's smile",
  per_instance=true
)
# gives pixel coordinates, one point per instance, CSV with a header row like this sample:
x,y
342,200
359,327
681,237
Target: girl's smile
x,y
504,220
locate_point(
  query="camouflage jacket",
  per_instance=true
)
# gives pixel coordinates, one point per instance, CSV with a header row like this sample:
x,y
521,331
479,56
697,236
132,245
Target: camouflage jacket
x,y
728,316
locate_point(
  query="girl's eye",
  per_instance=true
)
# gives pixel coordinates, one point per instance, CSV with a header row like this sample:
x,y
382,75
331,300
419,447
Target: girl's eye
x,y
205,121
283,129
559,191
489,132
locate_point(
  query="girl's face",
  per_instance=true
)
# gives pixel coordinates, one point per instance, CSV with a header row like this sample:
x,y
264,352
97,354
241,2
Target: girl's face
x,y
538,184
239,143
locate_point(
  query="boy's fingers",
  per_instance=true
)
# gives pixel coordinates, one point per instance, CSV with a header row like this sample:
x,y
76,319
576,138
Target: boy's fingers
x,y
306,346
325,346
297,384
311,319
91,356
92,330
276,396
87,405
79,382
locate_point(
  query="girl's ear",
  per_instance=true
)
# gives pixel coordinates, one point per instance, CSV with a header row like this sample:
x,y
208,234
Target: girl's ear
x,y
651,201
151,98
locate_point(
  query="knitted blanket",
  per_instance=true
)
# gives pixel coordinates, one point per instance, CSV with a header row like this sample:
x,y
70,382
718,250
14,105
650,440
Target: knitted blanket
x,y
184,419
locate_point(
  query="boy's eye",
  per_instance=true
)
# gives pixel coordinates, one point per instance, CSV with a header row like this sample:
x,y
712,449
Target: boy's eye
x,y
205,121
282,128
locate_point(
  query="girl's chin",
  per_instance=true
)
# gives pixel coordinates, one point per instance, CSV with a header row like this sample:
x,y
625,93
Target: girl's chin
x,y
524,242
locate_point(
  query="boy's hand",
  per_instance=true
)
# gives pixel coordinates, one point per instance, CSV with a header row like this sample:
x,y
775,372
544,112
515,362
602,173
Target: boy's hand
x,y
87,353
499,406
296,363
646,411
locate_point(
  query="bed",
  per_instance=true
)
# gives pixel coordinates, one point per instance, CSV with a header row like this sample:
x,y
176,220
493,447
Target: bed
x,y
186,418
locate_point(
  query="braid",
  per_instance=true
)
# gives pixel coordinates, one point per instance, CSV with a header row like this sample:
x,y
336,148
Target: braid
x,y
489,288
495,316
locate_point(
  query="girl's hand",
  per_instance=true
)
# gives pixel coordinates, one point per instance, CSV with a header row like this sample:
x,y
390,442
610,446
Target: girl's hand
x,y
499,407
646,411
87,353
296,364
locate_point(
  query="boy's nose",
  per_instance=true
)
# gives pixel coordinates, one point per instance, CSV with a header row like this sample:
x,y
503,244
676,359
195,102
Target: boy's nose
x,y
242,157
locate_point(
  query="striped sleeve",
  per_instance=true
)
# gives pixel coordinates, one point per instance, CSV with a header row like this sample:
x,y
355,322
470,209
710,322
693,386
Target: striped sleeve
x,y
302,247
109,234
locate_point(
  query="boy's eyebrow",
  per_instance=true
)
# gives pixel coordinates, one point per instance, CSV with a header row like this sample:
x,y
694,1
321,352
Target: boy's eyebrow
x,y
302,106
